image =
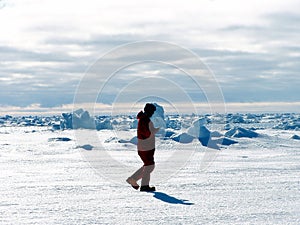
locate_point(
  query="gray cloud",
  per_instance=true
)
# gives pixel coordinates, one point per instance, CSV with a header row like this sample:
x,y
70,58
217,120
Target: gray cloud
x,y
268,75
27,77
17,54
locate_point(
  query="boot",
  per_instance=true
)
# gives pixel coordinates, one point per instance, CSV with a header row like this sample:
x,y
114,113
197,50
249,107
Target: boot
x,y
133,183
147,188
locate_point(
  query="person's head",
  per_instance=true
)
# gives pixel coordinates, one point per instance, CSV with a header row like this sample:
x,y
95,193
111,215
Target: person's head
x,y
149,109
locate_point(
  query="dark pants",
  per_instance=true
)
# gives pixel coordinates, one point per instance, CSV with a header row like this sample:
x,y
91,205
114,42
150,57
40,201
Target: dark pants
x,y
145,171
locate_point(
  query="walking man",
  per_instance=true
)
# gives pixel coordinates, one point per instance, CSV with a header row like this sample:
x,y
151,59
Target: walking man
x,y
146,148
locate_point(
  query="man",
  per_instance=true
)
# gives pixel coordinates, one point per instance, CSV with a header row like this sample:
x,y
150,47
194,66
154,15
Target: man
x,y
146,148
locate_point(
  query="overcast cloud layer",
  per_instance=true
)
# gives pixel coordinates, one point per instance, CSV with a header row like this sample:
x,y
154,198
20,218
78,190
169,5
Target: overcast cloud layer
x,y
46,47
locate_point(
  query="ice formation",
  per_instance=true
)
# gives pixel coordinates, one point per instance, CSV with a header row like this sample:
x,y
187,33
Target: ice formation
x,y
198,130
295,137
239,132
158,118
78,119
182,138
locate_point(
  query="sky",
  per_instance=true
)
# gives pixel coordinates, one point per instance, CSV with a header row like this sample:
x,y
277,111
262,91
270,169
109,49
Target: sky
x,y
252,50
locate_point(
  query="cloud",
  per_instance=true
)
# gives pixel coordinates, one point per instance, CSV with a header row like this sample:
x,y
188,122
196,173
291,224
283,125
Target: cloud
x,y
267,74
253,49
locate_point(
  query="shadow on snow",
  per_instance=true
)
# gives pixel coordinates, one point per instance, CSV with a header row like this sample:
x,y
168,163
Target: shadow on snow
x,y
170,199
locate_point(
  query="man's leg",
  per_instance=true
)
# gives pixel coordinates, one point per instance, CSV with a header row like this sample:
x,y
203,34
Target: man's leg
x,y
132,180
138,174
146,174
143,172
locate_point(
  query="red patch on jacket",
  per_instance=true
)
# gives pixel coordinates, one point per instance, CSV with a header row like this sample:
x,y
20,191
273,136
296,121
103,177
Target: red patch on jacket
x,y
143,131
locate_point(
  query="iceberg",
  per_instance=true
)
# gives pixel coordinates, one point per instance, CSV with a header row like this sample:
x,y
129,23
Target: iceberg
x,y
240,132
169,133
198,130
104,124
78,119
173,124
158,118
183,138
226,141
295,137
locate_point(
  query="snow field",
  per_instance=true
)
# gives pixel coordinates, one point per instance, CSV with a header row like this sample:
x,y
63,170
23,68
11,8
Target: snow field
x,y
50,182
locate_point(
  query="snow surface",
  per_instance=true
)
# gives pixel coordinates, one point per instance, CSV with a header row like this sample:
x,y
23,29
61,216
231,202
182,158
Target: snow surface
x,y
46,178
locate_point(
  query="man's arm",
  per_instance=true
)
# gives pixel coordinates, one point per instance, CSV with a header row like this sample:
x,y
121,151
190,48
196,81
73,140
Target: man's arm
x,y
152,129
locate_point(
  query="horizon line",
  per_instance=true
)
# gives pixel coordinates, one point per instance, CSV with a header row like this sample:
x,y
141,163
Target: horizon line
x,y
176,108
